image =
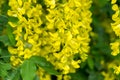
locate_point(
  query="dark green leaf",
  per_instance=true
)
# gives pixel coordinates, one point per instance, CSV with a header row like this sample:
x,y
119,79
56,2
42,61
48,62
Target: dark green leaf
x,y
36,77
79,75
28,70
15,75
90,62
13,19
0,51
10,35
3,20
5,40
46,65
95,76
5,55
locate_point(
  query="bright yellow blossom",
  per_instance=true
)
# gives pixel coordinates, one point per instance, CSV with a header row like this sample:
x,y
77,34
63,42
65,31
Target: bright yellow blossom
x,y
56,31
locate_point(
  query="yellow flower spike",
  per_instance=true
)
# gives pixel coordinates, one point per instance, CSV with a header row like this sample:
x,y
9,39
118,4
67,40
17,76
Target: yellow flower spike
x,y
52,32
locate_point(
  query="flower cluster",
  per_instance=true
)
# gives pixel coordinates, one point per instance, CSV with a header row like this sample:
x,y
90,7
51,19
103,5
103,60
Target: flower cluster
x,y
55,29
115,46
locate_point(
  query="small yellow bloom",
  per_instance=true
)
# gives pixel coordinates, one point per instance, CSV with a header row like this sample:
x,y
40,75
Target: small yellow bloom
x,y
113,1
12,50
115,48
75,64
117,70
115,7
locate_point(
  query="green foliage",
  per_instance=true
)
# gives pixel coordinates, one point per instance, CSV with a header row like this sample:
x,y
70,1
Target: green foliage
x,y
28,70
14,74
78,76
10,35
4,67
3,20
95,76
5,40
90,63
43,63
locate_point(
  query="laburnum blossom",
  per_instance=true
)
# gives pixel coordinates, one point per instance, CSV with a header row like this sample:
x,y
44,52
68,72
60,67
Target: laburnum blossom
x,y
56,30
116,27
115,46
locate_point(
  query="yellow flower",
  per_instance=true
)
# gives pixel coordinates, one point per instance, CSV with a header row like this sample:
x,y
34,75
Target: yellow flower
x,y
117,70
27,53
12,50
113,1
115,47
115,7
75,64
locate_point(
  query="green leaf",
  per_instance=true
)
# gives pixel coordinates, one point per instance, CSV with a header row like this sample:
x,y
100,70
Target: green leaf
x,y
5,55
3,69
43,63
10,35
3,20
13,19
102,2
36,77
90,63
28,70
95,76
14,75
79,75
0,51
5,40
